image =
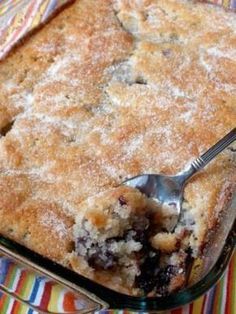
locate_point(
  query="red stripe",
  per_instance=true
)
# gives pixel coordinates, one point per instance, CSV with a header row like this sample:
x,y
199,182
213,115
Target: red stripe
x,y
15,307
20,285
191,308
46,295
177,311
229,289
203,304
21,281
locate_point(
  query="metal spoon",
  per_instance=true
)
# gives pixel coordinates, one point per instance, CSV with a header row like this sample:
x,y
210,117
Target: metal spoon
x,y
168,190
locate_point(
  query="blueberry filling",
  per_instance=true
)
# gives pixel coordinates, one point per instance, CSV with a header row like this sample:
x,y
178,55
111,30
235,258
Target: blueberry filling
x,y
148,271
101,255
98,256
103,258
154,278
153,275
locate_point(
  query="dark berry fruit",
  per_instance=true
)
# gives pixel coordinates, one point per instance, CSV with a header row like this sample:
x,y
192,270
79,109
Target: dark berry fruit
x,y
149,271
145,283
122,201
102,260
82,241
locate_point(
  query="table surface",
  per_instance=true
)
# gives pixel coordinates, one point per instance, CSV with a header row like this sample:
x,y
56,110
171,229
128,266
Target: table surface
x,y
52,298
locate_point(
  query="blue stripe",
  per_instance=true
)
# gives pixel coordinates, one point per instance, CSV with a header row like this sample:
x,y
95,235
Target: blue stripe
x,y
35,289
212,293
4,266
51,6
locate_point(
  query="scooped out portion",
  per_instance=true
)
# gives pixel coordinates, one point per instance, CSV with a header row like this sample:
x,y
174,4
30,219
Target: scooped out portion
x,y
121,241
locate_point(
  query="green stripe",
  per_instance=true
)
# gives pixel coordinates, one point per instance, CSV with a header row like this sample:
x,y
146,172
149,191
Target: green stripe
x,y
12,277
221,287
27,286
233,292
6,304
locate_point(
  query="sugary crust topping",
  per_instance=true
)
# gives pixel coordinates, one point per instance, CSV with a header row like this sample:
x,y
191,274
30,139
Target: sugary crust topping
x,y
103,208
108,90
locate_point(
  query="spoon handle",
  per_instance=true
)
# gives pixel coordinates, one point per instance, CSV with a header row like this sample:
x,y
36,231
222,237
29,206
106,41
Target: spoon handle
x,y
205,158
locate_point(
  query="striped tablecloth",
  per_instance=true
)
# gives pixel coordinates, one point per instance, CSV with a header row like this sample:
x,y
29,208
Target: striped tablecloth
x,y
19,17
50,297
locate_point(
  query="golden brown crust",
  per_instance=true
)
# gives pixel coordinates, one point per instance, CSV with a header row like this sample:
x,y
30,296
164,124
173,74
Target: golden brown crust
x,y
165,242
108,90
40,225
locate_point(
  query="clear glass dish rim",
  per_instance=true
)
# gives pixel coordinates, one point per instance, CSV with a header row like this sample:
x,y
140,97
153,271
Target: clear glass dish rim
x,y
117,300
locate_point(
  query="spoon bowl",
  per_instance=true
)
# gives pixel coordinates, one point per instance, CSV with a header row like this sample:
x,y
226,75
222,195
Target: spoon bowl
x,y
169,190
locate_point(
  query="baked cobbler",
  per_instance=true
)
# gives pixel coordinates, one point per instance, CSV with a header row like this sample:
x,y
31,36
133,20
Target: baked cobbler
x,y
105,91
121,233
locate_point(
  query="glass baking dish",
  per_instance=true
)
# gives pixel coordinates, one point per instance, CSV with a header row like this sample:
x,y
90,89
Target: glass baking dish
x,y
206,271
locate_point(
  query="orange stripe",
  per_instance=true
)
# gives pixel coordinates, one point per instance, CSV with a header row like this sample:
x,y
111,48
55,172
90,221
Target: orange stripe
x,y
9,274
69,301
16,307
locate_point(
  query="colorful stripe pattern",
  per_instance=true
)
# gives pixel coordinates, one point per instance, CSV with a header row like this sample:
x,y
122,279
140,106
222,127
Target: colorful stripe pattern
x,y
47,296
40,292
18,17
228,4
221,299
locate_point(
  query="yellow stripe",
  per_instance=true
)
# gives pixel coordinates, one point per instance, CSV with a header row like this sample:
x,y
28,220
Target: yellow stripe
x,y
3,10
197,305
44,6
23,309
17,22
232,294
38,16
55,295
226,3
